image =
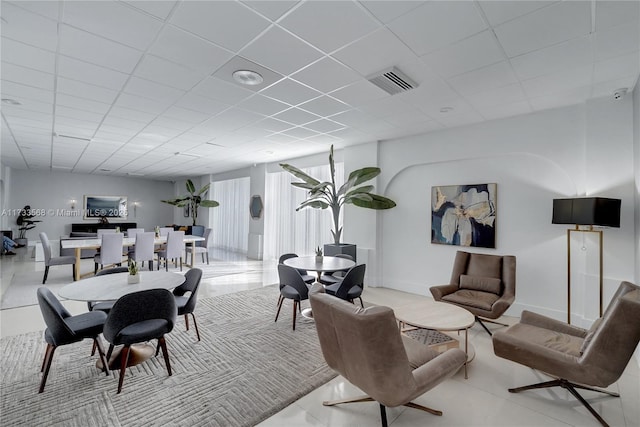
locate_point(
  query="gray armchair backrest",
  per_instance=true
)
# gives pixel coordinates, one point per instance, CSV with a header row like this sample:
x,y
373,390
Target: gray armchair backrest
x,y
137,307
364,346
54,314
289,276
191,284
46,247
615,339
207,236
502,267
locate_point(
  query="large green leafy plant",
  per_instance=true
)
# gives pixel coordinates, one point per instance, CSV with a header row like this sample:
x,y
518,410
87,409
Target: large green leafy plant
x,y
323,195
194,200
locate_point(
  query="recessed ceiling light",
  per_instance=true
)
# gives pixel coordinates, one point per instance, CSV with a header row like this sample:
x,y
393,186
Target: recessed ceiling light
x,y
247,77
446,109
10,101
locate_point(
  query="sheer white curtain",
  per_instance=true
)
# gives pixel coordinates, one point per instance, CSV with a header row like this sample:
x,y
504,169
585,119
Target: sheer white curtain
x,y
286,230
230,220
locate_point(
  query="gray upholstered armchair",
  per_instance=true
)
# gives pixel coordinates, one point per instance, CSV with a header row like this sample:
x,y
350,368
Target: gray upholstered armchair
x,y
483,284
365,346
578,358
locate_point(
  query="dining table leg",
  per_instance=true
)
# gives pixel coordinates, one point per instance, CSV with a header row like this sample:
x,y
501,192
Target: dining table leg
x,y
77,266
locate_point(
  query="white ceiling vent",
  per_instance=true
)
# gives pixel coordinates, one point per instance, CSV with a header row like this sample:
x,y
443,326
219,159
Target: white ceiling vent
x,y
392,81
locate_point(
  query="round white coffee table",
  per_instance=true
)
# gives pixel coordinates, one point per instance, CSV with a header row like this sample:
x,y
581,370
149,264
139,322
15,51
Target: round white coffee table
x,y
439,316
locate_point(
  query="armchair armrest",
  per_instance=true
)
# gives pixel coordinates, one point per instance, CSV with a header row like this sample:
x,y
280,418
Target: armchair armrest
x,y
439,369
545,322
439,291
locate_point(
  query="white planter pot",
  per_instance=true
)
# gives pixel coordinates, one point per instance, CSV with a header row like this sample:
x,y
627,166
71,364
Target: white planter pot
x,y
132,279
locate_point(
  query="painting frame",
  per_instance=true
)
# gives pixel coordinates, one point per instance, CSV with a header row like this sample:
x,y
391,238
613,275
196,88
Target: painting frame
x,y
464,215
112,207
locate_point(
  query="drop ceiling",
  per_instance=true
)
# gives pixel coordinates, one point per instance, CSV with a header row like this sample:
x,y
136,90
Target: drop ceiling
x,y
144,88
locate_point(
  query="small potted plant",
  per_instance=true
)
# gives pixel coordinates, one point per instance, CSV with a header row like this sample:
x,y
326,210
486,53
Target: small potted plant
x,y
133,276
319,255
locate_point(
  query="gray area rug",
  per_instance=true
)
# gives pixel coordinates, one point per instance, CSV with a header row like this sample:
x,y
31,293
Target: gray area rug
x,y
246,368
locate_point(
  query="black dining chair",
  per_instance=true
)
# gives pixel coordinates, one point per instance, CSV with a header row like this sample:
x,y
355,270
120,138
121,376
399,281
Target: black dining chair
x,y
139,317
336,276
63,329
351,286
187,303
291,287
305,276
105,305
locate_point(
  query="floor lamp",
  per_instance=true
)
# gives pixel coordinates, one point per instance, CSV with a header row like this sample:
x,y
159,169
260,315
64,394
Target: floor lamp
x,y
585,213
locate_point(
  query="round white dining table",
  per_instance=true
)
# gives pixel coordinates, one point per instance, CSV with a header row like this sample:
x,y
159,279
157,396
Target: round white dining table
x,y
110,287
329,264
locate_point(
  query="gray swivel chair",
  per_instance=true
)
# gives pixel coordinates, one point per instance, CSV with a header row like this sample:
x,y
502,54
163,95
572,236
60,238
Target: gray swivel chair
x,y
351,285
366,347
187,303
63,329
307,278
202,248
139,317
576,358
49,260
336,276
291,287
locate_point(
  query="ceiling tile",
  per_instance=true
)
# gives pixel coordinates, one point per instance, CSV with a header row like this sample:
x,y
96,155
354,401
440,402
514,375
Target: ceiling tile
x,y
220,90
493,76
271,9
23,93
616,68
189,51
494,97
27,56
613,13
607,88
498,12
27,76
437,24
67,108
469,54
388,10
296,116
89,73
280,51
376,52
564,56
152,90
199,103
263,105
557,82
290,92
617,41
160,8
545,27
184,114
26,27
273,125
359,93
326,75
560,99
114,21
225,23
300,132
324,106
131,114
97,50
348,23
168,73
85,90
149,107
324,126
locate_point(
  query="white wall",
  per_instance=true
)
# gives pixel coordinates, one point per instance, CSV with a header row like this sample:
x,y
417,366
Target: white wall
x,y
636,145
533,159
54,190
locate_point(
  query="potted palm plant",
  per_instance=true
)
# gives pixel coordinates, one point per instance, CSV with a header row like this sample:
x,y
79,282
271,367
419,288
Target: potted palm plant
x,y
25,223
323,195
195,199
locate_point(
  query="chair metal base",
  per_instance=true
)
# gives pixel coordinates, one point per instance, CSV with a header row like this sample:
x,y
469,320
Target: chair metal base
x,y
481,322
571,387
383,412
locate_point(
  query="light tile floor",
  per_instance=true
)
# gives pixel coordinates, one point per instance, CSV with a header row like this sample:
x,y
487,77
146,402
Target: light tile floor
x,y
480,400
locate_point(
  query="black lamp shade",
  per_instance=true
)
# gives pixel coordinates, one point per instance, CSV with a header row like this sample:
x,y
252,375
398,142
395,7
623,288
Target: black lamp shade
x,y
587,211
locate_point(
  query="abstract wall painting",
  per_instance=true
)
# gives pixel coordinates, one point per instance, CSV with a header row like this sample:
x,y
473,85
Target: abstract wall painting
x,y
464,215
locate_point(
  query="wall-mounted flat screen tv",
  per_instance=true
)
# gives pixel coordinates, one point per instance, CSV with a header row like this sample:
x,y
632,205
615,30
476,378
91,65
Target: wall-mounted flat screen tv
x,y
105,206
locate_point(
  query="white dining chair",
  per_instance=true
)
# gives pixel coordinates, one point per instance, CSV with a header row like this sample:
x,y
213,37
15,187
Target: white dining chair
x,y
165,230
102,231
110,250
201,247
133,231
144,248
174,249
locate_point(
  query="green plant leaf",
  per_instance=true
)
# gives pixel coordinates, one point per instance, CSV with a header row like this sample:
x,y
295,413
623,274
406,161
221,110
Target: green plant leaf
x,y
299,174
209,203
363,189
315,204
364,197
346,186
364,174
204,189
303,185
378,202
190,187
332,166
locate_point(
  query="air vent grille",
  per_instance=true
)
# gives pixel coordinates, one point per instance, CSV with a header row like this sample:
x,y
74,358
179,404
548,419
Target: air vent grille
x,y
393,81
